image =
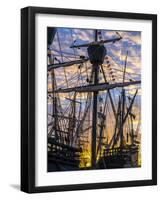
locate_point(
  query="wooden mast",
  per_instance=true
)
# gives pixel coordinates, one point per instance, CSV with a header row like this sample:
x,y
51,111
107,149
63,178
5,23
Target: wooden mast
x,y
94,120
123,99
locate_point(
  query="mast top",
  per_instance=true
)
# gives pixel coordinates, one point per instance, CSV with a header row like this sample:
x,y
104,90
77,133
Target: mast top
x,y
96,53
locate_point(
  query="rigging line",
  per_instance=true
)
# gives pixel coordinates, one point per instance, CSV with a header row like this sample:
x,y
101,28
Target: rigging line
x,y
88,102
67,56
86,70
62,124
68,53
80,110
115,61
79,76
136,87
130,73
128,76
116,122
54,85
62,60
109,93
74,50
125,65
126,79
87,106
138,125
75,75
102,123
61,111
127,113
128,124
79,117
59,104
54,117
110,123
82,77
113,93
56,122
128,120
114,97
69,80
61,54
108,108
67,107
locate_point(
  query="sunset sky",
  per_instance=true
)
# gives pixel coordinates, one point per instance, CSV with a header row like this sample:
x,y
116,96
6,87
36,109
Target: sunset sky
x,y
116,53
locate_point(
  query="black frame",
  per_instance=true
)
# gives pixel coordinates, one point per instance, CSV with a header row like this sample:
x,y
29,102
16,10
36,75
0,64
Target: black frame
x,y
28,98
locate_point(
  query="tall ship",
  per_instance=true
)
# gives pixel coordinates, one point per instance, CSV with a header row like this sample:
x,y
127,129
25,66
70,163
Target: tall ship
x,y
93,105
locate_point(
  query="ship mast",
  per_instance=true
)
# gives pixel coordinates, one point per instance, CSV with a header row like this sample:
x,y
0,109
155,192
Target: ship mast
x,y
123,106
94,120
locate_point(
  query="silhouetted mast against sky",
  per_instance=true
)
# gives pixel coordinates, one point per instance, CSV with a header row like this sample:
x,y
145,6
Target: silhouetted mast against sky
x,y
98,87
123,99
51,35
96,53
94,120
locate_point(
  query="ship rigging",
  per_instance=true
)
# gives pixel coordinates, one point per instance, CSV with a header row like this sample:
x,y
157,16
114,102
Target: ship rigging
x,y
90,111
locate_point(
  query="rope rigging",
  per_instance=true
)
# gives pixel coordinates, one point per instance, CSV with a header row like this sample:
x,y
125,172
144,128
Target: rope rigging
x,y
70,123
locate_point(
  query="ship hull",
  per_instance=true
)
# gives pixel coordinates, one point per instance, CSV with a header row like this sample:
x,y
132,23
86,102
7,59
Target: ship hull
x,y
119,158
62,157
55,164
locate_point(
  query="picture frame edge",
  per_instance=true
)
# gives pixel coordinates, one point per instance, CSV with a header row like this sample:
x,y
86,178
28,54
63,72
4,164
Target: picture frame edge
x,y
28,100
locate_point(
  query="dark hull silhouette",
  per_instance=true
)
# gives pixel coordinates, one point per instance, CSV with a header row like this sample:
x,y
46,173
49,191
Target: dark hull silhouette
x,y
62,157
119,158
